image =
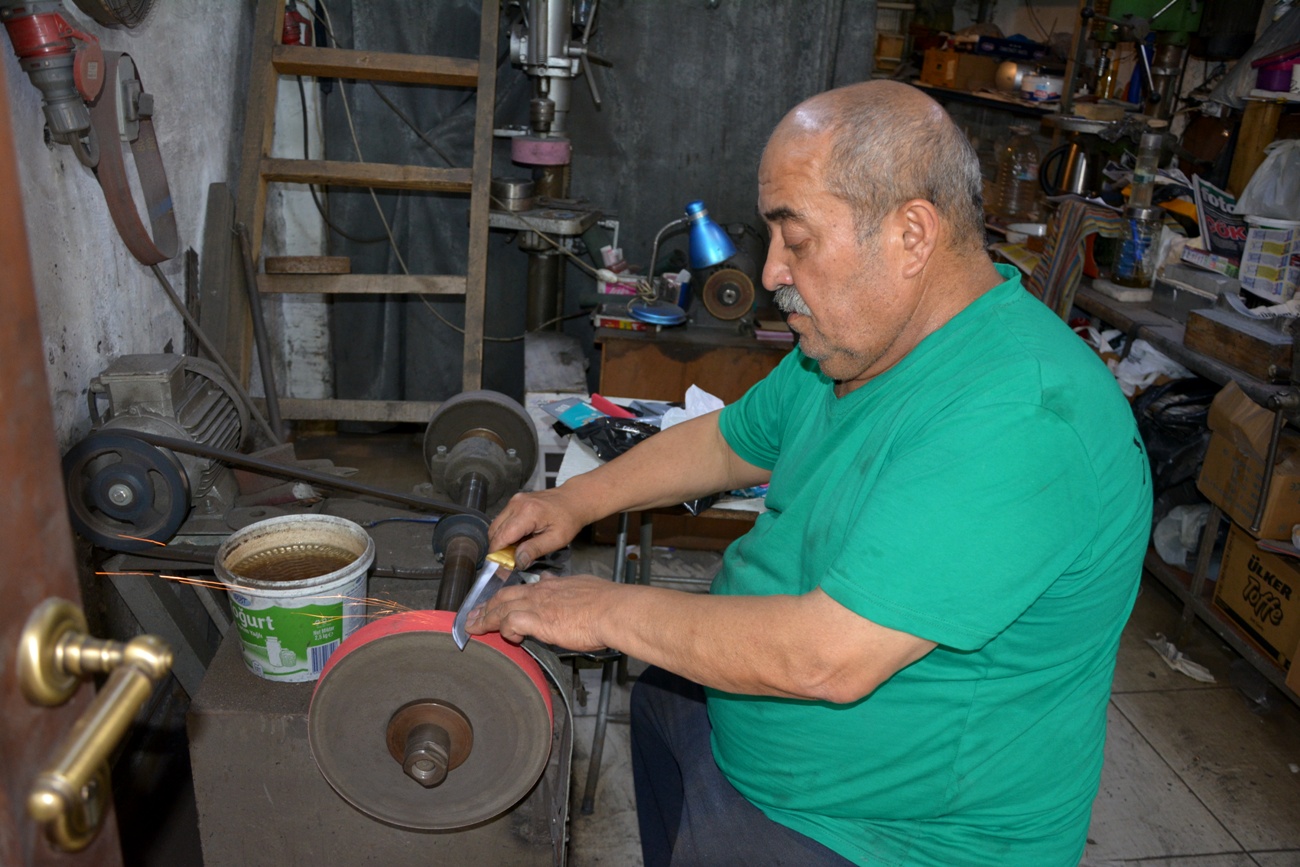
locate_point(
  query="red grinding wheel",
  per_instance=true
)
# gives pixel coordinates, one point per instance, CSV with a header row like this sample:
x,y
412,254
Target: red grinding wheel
x,y
365,696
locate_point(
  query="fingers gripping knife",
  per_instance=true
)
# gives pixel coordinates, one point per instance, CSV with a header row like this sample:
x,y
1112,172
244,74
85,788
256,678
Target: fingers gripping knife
x,y
497,573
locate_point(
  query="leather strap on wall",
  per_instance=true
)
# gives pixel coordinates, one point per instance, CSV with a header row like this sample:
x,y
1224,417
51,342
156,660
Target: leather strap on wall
x,y
111,171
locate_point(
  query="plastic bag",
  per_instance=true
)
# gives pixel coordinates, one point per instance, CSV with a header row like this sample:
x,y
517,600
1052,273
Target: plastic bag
x,y
1274,189
1143,367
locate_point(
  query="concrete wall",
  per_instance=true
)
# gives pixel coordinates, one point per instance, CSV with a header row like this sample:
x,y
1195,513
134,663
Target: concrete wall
x,y
96,301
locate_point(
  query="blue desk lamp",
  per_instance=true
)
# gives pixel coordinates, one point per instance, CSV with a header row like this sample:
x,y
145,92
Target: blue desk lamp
x,y
709,245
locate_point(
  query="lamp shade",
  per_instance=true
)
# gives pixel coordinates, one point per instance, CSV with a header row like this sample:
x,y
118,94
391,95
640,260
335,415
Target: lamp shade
x,y
709,244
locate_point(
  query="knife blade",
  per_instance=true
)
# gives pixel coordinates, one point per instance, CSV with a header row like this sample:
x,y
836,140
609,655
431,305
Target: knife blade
x,y
491,578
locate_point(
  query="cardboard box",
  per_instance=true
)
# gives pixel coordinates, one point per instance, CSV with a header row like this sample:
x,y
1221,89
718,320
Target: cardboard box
x,y
1232,473
957,70
1260,593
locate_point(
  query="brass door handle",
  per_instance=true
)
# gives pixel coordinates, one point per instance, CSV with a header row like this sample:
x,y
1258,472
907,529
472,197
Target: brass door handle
x,y
55,654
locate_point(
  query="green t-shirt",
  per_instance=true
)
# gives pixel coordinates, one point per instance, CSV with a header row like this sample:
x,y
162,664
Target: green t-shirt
x,y
988,493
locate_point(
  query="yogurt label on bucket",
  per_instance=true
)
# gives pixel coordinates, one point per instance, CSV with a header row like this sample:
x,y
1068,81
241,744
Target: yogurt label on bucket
x,y
293,644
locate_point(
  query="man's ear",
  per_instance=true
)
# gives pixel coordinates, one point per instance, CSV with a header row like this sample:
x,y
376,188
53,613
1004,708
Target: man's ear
x,y
921,226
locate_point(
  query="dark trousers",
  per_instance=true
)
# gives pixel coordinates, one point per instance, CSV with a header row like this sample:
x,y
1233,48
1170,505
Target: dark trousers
x,y
689,814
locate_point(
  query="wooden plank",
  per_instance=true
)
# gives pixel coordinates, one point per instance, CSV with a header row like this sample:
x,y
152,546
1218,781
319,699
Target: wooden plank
x,y
395,411
307,265
374,66
479,206
1246,344
221,275
363,284
664,369
259,131
379,175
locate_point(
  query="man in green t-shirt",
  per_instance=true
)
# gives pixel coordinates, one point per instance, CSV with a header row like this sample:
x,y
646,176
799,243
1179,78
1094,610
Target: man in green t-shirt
x,y
907,660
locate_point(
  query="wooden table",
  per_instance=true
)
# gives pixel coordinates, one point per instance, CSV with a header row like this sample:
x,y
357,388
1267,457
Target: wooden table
x,y
661,365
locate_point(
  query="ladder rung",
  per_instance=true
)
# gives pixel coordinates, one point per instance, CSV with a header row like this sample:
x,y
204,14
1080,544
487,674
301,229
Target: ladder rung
x,y
353,174
363,284
374,66
303,409
307,265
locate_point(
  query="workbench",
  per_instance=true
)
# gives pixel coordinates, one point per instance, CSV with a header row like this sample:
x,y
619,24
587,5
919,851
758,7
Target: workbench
x,y
661,365
1192,589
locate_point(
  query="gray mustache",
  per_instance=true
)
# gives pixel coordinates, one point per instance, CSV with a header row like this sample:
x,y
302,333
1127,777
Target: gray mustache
x,y
789,300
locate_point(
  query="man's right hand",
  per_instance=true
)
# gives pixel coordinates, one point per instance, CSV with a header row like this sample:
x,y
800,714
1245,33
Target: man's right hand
x,y
536,524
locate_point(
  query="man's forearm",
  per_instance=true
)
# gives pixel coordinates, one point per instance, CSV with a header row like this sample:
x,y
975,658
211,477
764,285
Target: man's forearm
x,y
806,646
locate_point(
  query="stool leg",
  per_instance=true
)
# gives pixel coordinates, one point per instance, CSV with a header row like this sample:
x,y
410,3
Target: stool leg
x,y
607,674
647,546
598,739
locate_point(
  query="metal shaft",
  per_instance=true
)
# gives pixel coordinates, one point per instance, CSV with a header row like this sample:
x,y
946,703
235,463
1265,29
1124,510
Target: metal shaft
x,y
474,491
459,565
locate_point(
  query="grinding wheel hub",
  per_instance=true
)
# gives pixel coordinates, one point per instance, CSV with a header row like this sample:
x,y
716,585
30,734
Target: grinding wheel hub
x,y
728,294
364,700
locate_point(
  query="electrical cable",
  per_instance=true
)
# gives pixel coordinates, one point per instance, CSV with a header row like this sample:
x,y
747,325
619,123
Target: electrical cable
x,y
1033,16
311,188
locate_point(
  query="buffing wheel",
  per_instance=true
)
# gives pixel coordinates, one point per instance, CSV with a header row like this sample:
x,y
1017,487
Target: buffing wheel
x,y
728,294
488,414
411,658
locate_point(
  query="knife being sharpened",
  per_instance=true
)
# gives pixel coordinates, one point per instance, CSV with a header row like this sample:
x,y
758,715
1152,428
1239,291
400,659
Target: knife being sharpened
x,y
498,571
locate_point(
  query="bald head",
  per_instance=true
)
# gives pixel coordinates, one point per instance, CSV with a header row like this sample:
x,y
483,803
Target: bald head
x,y
890,143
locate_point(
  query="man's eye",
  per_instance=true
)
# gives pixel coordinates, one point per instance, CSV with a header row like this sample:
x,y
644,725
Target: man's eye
x,y
799,248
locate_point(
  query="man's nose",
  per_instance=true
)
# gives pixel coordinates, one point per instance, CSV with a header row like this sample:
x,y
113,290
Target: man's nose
x,y
775,271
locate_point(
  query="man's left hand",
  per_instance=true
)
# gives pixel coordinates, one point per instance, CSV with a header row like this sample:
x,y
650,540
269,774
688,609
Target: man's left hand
x,y
560,611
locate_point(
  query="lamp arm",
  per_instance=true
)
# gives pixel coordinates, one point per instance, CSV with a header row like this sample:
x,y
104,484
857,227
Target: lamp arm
x,y
680,222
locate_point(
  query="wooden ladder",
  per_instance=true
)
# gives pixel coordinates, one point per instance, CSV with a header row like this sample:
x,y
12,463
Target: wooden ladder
x,y
270,60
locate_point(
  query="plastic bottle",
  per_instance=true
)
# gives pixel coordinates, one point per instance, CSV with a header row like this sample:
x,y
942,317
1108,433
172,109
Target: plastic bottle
x,y
1017,185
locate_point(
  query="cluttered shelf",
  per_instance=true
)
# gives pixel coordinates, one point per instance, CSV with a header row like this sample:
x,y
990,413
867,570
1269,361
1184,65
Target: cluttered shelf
x,y
1138,320
1236,616
1201,605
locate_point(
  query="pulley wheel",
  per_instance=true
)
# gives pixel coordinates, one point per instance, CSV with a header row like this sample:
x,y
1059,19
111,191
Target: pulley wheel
x,y
483,413
404,671
124,494
728,294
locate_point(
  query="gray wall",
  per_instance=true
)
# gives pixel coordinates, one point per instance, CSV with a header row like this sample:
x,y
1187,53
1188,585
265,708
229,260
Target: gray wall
x,y
695,89
96,301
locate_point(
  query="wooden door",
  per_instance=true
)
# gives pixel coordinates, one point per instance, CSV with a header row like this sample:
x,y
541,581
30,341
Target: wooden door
x,y
36,555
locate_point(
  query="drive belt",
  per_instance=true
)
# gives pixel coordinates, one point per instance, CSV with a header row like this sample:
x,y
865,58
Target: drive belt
x,y
163,243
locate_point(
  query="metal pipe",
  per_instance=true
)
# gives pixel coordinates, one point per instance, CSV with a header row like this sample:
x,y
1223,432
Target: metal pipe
x,y
607,674
544,272
1266,482
260,337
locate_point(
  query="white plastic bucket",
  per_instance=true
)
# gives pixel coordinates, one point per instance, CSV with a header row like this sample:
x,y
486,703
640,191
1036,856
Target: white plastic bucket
x,y
1270,262
297,588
